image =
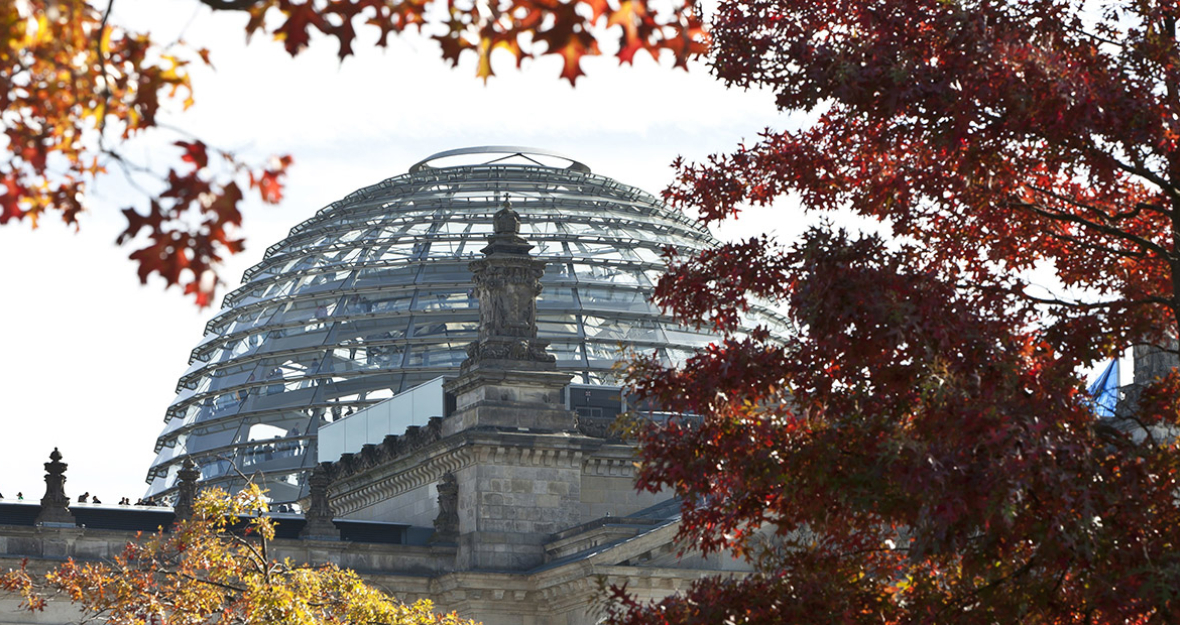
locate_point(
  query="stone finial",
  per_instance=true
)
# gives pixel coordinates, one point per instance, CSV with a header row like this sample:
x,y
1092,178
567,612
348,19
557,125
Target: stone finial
x,y
55,505
446,524
505,239
319,511
186,488
506,221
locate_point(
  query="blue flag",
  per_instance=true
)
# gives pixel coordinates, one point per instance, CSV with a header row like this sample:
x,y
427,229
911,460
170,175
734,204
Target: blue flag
x,y
1104,392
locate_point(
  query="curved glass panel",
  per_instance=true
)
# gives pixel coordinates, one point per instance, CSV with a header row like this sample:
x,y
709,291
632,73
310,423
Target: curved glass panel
x,y
372,296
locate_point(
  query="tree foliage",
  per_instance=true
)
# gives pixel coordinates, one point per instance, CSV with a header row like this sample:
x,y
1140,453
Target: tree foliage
x,y
921,448
75,89
215,568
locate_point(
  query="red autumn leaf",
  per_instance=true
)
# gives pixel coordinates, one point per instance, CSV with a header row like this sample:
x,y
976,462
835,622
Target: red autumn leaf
x,y
162,256
10,201
294,31
225,206
194,153
269,182
637,26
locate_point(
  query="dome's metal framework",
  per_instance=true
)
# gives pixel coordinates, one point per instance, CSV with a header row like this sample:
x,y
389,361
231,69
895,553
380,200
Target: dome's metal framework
x,y
372,296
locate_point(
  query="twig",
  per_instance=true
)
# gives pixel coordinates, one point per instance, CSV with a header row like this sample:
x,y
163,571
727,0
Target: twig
x,y
229,5
102,63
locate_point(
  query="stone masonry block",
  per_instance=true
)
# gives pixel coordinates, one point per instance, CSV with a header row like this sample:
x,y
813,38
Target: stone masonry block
x,y
522,485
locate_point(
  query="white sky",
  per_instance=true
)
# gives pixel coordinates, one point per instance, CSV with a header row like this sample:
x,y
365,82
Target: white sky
x,y
91,358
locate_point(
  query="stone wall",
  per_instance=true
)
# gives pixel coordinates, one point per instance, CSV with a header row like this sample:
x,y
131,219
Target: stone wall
x,y
512,500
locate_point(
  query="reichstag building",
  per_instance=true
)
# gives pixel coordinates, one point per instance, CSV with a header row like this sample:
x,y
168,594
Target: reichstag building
x,y
373,296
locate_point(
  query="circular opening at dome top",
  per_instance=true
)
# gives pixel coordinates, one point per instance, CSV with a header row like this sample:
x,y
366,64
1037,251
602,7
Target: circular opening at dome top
x,y
498,155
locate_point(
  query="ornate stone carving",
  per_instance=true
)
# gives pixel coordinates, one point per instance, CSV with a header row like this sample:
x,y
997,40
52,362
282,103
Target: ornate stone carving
x,y
186,488
507,282
506,221
511,350
446,524
319,511
55,505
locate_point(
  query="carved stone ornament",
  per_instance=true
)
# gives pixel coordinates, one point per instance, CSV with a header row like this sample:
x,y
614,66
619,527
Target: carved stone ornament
x,y
534,351
186,488
55,505
507,283
446,524
506,220
415,438
319,511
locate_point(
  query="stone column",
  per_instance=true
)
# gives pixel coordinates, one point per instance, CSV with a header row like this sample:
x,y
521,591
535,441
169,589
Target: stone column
x,y
186,488
319,510
525,484
55,505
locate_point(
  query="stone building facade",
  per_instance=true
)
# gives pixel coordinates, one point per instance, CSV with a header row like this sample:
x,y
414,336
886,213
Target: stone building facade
x,y
506,509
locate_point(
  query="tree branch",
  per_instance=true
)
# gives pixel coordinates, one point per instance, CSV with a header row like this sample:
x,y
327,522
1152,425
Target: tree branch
x,y
1098,246
229,5
201,580
1110,230
1126,303
1138,168
260,559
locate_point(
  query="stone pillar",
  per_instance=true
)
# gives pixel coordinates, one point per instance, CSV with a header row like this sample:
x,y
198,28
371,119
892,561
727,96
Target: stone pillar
x,y
186,489
525,484
508,379
319,510
55,505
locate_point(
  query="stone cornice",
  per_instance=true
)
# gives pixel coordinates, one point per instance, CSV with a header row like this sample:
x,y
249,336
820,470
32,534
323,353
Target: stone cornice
x,y
384,481
377,474
606,464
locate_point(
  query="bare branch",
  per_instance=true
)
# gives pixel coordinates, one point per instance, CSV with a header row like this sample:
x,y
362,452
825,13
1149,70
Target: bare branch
x,y
230,5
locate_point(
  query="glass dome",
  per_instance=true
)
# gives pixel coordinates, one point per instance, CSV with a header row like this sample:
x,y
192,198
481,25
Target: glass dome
x,y
372,296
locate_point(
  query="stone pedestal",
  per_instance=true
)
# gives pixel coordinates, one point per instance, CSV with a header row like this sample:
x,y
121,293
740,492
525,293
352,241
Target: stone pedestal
x,y
508,379
509,398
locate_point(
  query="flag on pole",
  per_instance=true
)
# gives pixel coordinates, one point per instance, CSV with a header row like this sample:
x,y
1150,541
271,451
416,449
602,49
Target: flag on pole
x,y
1104,392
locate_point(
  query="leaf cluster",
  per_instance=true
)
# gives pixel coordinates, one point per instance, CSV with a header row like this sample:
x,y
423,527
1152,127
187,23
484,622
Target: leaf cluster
x,y
74,90
568,30
916,452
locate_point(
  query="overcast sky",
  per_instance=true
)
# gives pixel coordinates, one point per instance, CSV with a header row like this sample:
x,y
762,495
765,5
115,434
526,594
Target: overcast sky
x,y
91,358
